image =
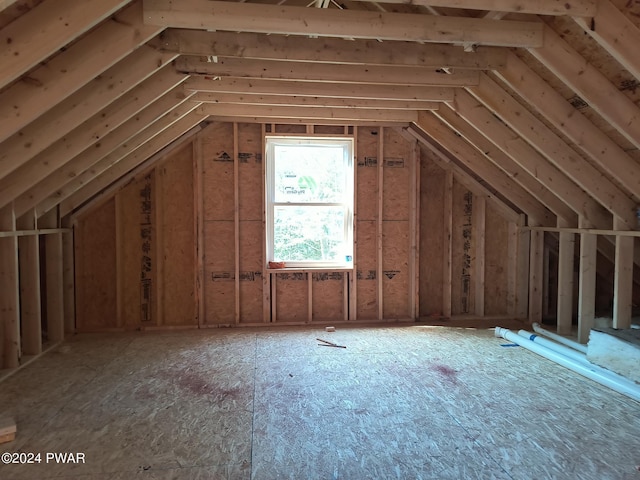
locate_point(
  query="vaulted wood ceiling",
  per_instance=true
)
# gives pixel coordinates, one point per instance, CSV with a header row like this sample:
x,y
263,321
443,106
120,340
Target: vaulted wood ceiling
x,y
537,100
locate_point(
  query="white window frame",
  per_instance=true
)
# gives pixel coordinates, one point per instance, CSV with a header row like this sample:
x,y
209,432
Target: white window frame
x,y
347,144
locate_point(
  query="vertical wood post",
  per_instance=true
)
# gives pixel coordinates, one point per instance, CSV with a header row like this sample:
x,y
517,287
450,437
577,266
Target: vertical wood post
x,y
478,235
236,223
448,230
353,286
198,225
54,277
522,271
30,314
68,277
414,185
566,252
379,233
9,292
536,273
512,266
587,284
623,282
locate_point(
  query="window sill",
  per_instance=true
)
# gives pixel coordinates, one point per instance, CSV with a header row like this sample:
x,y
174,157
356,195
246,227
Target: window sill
x,y
309,269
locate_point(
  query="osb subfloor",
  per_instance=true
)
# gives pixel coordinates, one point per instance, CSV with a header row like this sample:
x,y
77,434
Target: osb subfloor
x,y
397,403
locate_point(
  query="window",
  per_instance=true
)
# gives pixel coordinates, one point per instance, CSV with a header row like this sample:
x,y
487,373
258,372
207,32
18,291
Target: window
x,y
309,189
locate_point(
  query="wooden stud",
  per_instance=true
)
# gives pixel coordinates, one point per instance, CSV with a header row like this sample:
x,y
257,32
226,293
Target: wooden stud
x,y
68,277
522,271
566,252
478,235
309,297
380,223
236,222
536,275
54,278
9,293
216,15
448,245
120,265
585,8
29,263
414,231
353,278
159,227
266,277
512,266
198,225
587,285
623,283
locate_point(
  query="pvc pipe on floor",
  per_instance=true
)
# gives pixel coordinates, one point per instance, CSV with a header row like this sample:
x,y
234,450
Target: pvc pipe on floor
x,y
559,338
556,347
592,372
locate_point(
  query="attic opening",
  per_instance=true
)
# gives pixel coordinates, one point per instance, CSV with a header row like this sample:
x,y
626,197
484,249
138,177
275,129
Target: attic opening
x,y
309,201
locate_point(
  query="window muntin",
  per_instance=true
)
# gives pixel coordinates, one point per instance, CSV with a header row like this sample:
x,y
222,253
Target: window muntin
x,y
310,201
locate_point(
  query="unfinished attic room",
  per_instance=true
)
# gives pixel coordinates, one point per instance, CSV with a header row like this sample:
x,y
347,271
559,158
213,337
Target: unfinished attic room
x,y
320,239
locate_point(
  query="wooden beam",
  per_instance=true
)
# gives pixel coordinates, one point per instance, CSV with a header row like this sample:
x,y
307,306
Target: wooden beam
x,y
587,285
331,50
529,159
616,33
305,121
68,278
517,175
85,145
447,231
29,262
236,225
512,268
198,227
414,230
380,224
54,278
476,162
534,131
136,135
326,72
305,101
319,89
536,276
566,252
70,70
79,107
623,283
585,8
315,113
445,161
101,183
9,293
587,81
576,126
522,272
478,235
43,30
214,15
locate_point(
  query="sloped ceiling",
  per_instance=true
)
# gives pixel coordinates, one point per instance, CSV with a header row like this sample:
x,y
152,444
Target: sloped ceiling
x,y
538,100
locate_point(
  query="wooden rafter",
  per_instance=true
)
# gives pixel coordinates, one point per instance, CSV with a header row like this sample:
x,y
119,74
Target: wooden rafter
x,y
31,96
585,8
325,72
258,18
332,50
79,107
616,33
43,30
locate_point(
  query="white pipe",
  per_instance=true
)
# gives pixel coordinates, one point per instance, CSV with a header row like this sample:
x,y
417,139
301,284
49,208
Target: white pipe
x,y
593,372
556,347
560,339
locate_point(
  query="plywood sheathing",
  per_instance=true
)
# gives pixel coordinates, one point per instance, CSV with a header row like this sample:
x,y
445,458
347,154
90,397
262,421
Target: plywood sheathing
x,y
278,406
96,275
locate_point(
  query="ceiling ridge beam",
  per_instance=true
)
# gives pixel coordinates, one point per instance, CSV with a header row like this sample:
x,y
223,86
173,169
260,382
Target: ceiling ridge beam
x,y
483,168
141,109
100,186
45,29
585,8
576,126
550,145
80,106
616,33
325,72
530,159
587,81
319,89
515,172
328,50
258,18
44,87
